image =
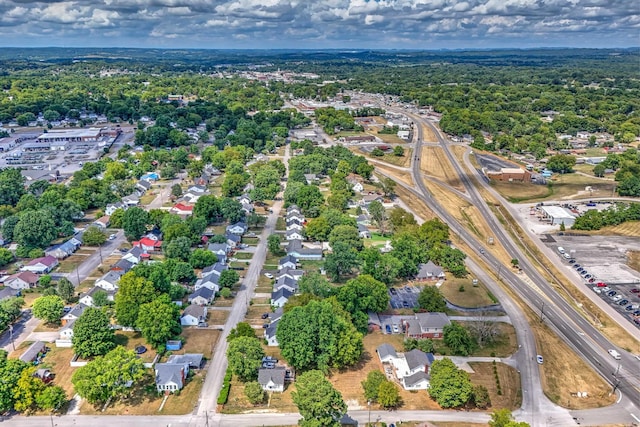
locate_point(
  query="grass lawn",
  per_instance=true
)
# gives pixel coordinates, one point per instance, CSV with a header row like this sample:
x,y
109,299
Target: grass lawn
x,y
130,340
251,240
254,315
57,360
239,266
217,317
147,198
281,224
243,255
29,297
311,265
511,397
71,263
390,138
46,327
473,296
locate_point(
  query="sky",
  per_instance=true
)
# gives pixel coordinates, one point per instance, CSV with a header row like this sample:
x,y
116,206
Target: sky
x,y
317,24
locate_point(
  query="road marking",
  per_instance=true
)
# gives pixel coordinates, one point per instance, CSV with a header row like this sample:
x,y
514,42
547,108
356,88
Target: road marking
x,y
635,418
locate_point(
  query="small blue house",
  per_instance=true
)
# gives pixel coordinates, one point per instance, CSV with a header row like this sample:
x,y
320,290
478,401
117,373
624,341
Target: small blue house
x,y
174,345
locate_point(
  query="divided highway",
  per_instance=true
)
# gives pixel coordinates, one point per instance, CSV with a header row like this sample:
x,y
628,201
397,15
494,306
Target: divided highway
x,y
541,297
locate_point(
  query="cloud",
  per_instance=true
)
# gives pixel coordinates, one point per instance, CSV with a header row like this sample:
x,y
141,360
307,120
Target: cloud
x,y
320,23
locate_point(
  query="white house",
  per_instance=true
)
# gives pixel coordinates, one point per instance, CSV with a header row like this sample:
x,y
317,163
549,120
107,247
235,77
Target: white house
x,y
210,281
272,379
288,261
294,235
193,315
22,280
357,187
386,353
280,297
238,228
41,265
109,282
202,296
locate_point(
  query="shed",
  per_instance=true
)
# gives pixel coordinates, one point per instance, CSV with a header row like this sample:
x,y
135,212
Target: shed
x,y
174,345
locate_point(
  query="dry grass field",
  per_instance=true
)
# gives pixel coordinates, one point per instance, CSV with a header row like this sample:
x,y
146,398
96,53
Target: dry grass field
x,y
472,296
631,229
434,162
217,317
511,397
57,359
200,341
427,134
633,259
415,204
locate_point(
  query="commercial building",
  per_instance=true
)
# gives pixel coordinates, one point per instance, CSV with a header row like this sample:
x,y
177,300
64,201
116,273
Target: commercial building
x,y
557,215
70,135
510,175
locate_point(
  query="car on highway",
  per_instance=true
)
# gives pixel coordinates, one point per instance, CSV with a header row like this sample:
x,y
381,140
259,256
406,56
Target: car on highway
x,y
268,275
539,359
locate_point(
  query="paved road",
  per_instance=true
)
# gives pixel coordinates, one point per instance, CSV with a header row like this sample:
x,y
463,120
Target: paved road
x,y
164,193
559,315
22,328
92,262
218,365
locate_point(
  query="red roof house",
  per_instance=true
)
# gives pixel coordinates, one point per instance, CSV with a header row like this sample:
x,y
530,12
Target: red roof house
x,y
148,245
182,209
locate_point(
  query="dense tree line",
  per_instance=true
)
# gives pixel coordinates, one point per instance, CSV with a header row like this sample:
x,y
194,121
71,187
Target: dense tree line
x,y
617,214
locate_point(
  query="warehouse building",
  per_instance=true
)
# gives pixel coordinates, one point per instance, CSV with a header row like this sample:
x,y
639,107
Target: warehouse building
x,y
557,215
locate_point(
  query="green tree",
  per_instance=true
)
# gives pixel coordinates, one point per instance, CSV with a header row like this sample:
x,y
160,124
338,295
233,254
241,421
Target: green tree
x,y
341,261
481,397
364,293
273,243
26,390
51,398
231,210
245,357
101,299
388,395
117,218
228,278
242,329
108,377
10,371
225,293
318,402
346,234
11,186
449,386
6,256
254,392
48,308
501,418
135,222
372,384
318,229
65,289
92,335
398,151
458,339
133,292
36,229
431,299
207,207
93,236
158,320
201,258
562,163
378,215
178,248
314,283
319,336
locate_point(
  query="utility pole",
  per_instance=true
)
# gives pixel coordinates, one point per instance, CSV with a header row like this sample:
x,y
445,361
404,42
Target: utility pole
x,y
13,344
369,404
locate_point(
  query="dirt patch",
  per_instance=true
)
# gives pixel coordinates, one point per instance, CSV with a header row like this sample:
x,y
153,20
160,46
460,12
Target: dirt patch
x,y
633,259
434,162
511,396
427,134
199,341
404,176
217,317
71,263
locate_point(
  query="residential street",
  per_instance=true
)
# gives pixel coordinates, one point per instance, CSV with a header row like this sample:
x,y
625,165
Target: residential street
x,y
92,262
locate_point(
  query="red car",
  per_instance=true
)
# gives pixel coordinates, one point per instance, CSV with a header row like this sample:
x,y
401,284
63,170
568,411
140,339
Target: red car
x,y
635,291
601,284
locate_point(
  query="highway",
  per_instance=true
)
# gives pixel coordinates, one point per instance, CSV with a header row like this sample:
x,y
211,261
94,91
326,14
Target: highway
x,y
558,314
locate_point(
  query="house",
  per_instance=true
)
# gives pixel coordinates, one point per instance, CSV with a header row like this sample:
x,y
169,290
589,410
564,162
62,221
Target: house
x,y
170,377
182,209
134,255
142,186
131,200
510,175
245,198
418,361
8,292
74,314
62,250
368,198
426,325
198,189
286,282
294,224
41,265
215,269
280,297
311,178
87,297
209,281
233,240
295,215
103,222
33,352
150,176
194,360
363,219
238,228
203,296
386,353
272,379
123,265
66,333
193,315
429,271
417,381
109,282
296,249
270,333
148,245
219,248
294,235
363,231
290,272
357,187
288,261
112,207
202,180
190,197
293,209
22,280
247,208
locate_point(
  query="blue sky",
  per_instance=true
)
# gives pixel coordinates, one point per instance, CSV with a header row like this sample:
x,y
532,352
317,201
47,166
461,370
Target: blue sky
x,y
371,24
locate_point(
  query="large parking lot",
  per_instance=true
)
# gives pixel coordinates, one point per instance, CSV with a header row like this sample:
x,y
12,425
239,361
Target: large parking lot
x,y
600,263
405,297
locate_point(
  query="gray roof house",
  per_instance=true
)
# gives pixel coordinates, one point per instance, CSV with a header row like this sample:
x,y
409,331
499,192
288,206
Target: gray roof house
x,y
238,228
294,235
233,239
290,272
218,248
417,381
203,296
170,377
193,315
426,325
429,271
74,314
270,333
209,281
288,261
363,231
272,379
32,352
386,353
216,269
194,360
109,281
296,249
280,297
286,283
143,185
418,361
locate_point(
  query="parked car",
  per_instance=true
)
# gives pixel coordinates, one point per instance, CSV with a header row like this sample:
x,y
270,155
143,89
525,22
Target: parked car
x,y
572,261
393,291
601,284
616,298
576,266
265,315
395,329
612,293
597,290
388,329
629,307
588,276
623,302
593,279
268,275
635,290
405,304
112,236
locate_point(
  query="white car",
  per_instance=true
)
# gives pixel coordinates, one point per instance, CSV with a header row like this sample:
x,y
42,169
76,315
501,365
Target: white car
x,y
112,236
268,275
597,290
539,359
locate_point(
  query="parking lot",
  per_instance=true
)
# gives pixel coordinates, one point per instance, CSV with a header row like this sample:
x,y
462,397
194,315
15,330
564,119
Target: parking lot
x,y
600,263
405,297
